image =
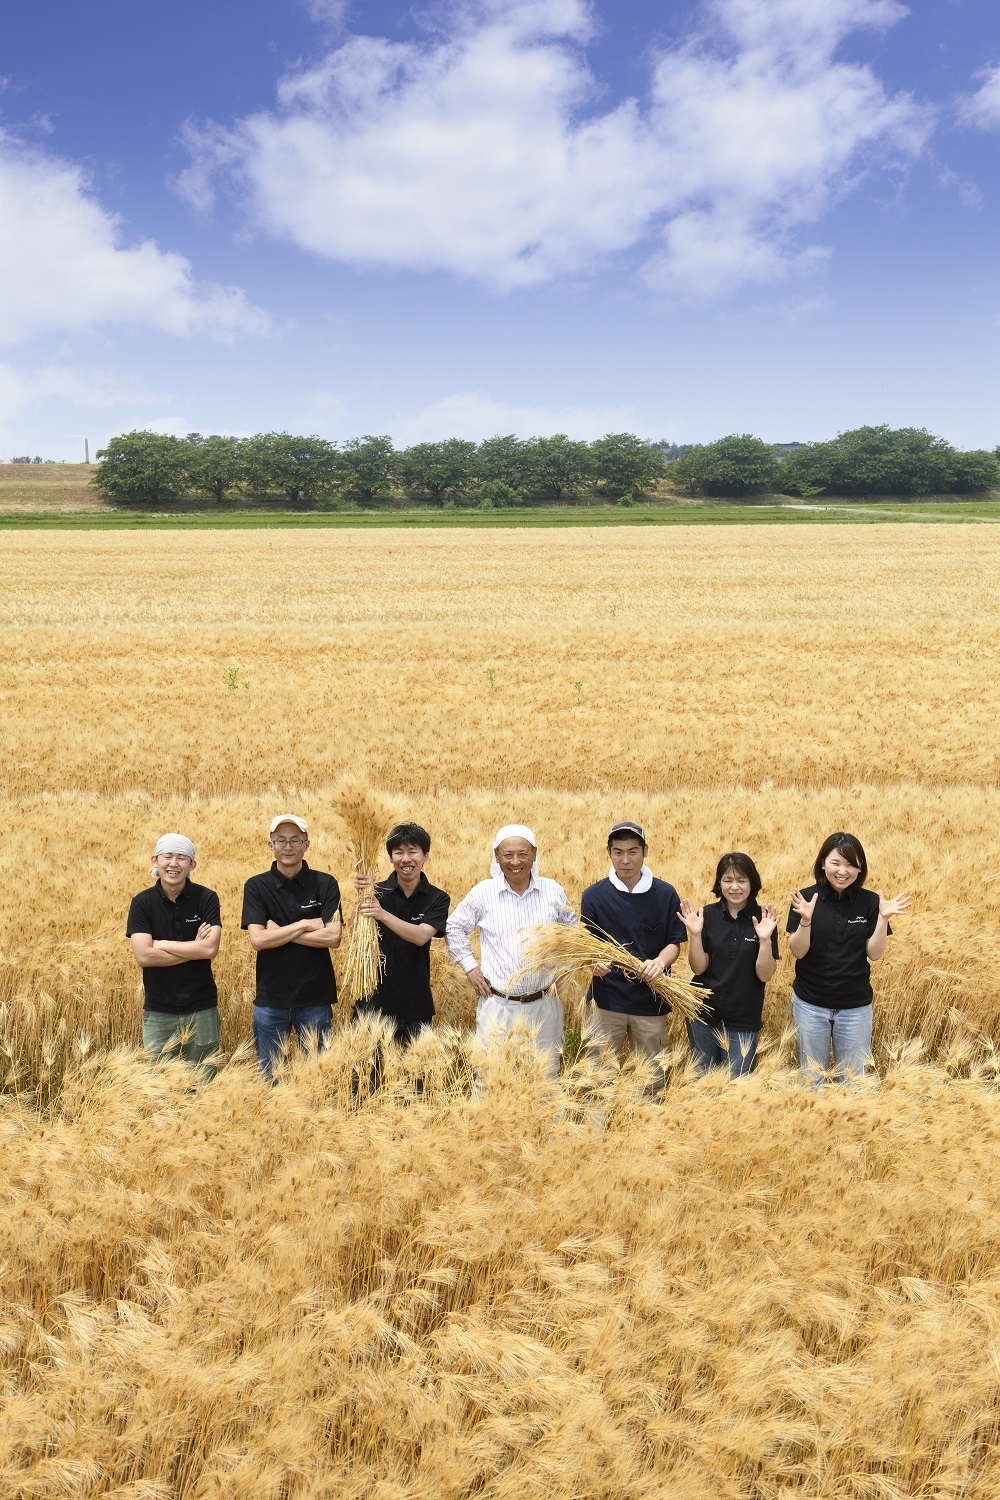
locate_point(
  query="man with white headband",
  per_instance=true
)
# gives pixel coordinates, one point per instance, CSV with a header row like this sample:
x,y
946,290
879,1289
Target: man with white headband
x,y
643,914
504,909
175,927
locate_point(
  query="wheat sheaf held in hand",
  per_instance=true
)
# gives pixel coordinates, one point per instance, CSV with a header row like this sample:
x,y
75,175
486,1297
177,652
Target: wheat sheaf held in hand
x,y
577,951
367,818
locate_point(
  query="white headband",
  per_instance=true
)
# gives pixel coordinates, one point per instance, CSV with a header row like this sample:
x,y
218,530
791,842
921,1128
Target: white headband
x,y
512,831
174,843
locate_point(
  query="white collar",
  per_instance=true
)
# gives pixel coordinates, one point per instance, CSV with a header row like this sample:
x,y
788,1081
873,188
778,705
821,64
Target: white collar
x,y
643,884
534,884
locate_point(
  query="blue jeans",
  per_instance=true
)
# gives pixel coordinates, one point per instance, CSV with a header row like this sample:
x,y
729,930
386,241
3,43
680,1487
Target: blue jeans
x,y
707,1050
273,1025
847,1032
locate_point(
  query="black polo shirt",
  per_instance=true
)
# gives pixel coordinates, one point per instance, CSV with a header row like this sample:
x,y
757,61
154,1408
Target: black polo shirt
x,y
404,991
185,987
644,923
294,975
835,973
732,946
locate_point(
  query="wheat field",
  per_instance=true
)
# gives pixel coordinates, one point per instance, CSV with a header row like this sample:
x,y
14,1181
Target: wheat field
x,y
748,1291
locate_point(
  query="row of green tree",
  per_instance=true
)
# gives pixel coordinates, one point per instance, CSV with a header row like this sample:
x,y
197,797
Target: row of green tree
x,y
864,461
149,468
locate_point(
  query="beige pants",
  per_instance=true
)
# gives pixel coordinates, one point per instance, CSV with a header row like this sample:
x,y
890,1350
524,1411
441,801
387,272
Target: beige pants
x,y
609,1030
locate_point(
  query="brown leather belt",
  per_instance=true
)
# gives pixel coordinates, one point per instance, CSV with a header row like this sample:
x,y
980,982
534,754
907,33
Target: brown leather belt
x,y
521,999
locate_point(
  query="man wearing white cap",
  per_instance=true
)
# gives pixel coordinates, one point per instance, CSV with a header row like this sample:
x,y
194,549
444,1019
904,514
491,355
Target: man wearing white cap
x,y
503,909
174,927
292,915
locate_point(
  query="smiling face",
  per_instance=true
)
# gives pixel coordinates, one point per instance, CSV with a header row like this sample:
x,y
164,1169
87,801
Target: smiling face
x,y
839,870
172,870
515,858
288,845
735,887
408,860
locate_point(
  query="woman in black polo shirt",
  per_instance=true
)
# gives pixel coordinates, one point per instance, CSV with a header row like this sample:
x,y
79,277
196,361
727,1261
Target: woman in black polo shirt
x,y
733,951
836,931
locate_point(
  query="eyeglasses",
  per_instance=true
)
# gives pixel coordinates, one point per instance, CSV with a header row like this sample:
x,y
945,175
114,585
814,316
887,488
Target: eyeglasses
x,y
289,843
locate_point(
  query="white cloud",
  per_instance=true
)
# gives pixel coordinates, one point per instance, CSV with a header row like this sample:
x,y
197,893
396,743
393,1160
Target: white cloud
x,y
63,266
483,151
23,390
472,414
982,109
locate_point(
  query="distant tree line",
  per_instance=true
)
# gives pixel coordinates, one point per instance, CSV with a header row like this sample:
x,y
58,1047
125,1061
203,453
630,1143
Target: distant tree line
x,y
149,468
865,461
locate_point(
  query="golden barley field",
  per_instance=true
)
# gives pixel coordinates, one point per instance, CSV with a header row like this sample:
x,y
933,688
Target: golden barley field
x,y
749,1290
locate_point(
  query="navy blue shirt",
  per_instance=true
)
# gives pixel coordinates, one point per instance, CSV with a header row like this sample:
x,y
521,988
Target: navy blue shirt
x,y
644,924
732,946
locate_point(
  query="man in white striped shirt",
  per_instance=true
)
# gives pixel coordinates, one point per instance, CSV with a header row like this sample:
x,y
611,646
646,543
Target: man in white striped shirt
x,y
503,908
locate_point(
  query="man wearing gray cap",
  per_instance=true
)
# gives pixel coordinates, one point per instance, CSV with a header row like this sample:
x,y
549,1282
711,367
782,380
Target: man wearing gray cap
x,y
643,914
175,927
292,916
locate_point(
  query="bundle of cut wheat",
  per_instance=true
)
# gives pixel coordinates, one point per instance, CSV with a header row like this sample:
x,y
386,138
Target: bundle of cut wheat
x,y
574,950
368,818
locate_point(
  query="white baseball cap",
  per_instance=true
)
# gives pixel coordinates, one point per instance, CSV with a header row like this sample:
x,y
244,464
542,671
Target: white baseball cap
x,y
300,823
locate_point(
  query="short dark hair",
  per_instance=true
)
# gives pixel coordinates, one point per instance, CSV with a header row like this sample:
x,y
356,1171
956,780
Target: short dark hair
x,y
745,865
408,833
847,845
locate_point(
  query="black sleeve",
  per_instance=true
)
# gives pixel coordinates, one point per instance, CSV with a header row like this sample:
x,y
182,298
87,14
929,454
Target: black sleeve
x,y
774,943
138,916
331,900
254,909
793,920
436,912
706,931
210,909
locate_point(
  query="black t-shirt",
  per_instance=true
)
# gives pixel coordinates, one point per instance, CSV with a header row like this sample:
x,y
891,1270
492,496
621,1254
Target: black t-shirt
x,y
835,973
644,923
732,946
404,991
294,975
181,988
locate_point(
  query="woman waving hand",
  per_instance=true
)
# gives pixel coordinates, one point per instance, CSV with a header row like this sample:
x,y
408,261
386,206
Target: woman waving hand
x,y
836,930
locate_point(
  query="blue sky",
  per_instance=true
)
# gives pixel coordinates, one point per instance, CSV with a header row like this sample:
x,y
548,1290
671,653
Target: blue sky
x,y
775,216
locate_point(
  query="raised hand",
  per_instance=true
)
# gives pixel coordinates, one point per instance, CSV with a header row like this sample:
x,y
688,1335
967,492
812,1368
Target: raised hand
x,y
693,918
892,908
804,908
765,924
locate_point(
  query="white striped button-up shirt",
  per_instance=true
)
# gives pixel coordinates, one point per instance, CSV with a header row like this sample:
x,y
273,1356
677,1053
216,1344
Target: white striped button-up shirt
x,y
503,919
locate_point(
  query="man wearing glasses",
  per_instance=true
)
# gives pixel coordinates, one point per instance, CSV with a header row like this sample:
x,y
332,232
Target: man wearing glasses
x,y
292,914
